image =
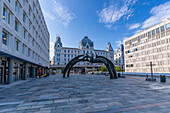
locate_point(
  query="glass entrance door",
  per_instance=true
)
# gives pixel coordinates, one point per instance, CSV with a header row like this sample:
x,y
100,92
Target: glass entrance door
x,y
1,75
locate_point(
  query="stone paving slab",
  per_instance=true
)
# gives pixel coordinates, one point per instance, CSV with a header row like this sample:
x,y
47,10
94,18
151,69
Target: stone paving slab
x,y
86,94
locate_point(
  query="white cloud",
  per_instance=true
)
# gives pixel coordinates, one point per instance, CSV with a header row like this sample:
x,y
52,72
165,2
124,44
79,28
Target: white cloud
x,y
59,14
51,50
137,31
125,34
125,38
134,26
49,15
158,13
119,42
112,13
108,26
146,3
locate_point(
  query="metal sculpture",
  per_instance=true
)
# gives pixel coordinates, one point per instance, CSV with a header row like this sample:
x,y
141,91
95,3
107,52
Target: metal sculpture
x,y
86,58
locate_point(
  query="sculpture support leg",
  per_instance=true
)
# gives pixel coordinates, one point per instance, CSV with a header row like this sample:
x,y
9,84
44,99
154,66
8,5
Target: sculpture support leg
x,y
111,75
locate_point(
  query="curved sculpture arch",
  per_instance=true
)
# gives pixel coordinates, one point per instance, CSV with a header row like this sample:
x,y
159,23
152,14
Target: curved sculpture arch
x,y
111,64
99,59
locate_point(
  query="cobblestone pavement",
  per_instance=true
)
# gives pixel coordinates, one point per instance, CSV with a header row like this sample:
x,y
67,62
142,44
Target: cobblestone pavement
x,y
86,93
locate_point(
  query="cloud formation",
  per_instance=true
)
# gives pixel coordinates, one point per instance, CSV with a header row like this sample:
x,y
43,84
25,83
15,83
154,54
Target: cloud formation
x,y
60,13
119,42
113,12
51,49
134,26
158,13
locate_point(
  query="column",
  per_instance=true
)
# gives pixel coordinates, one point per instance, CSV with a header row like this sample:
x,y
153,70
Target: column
x,y
34,72
25,74
10,70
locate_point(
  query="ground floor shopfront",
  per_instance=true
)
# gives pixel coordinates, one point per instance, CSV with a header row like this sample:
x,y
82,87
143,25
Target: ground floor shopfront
x,y
77,69
12,69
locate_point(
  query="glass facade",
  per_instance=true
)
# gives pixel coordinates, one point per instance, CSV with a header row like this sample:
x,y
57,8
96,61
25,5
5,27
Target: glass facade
x,y
4,37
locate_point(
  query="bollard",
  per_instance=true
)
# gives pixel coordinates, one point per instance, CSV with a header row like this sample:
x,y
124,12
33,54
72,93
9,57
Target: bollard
x,y
162,78
118,75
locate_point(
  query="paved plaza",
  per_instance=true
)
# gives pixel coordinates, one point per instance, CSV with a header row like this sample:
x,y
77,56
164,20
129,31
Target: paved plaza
x,y
86,93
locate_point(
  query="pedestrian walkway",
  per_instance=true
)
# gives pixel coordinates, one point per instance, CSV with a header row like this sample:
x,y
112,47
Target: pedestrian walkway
x,y
86,93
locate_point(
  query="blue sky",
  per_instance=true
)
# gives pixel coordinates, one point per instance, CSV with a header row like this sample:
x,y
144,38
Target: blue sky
x,y
102,21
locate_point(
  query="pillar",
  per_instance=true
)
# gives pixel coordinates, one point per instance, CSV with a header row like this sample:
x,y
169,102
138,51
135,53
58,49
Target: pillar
x,y
10,70
25,74
34,72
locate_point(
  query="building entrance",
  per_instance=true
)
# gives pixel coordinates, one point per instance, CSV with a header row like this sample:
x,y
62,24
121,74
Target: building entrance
x,y
3,72
1,75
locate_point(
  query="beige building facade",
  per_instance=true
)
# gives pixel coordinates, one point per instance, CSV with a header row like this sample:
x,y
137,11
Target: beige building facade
x,y
150,45
119,57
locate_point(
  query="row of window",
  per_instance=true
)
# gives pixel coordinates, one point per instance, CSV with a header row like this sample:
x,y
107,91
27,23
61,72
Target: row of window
x,y
20,47
84,52
149,33
157,57
7,19
157,69
154,44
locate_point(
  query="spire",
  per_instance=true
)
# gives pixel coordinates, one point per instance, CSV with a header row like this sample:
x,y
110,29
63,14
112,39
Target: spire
x,y
109,47
58,42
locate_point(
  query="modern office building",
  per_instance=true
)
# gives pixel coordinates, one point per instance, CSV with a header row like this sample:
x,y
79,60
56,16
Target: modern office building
x,y
150,45
62,55
119,57
24,43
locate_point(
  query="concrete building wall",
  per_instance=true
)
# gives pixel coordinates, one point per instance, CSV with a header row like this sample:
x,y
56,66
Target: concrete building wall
x,y
26,33
150,45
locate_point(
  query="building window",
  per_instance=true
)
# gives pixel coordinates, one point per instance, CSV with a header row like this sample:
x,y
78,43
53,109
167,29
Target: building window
x,y
33,55
17,7
9,17
30,26
23,2
68,55
24,17
29,11
29,38
68,51
58,59
4,37
167,26
138,37
162,28
153,32
4,14
149,33
16,26
32,42
157,30
17,45
24,34
36,35
23,48
64,55
9,1
58,55
29,52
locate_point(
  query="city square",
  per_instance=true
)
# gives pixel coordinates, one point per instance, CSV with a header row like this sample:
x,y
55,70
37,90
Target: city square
x,y
84,56
86,93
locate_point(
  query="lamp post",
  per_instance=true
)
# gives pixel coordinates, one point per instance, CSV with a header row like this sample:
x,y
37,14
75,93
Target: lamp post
x,y
152,79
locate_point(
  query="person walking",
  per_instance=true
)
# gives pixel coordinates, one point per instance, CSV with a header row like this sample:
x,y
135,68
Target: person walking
x,y
40,73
